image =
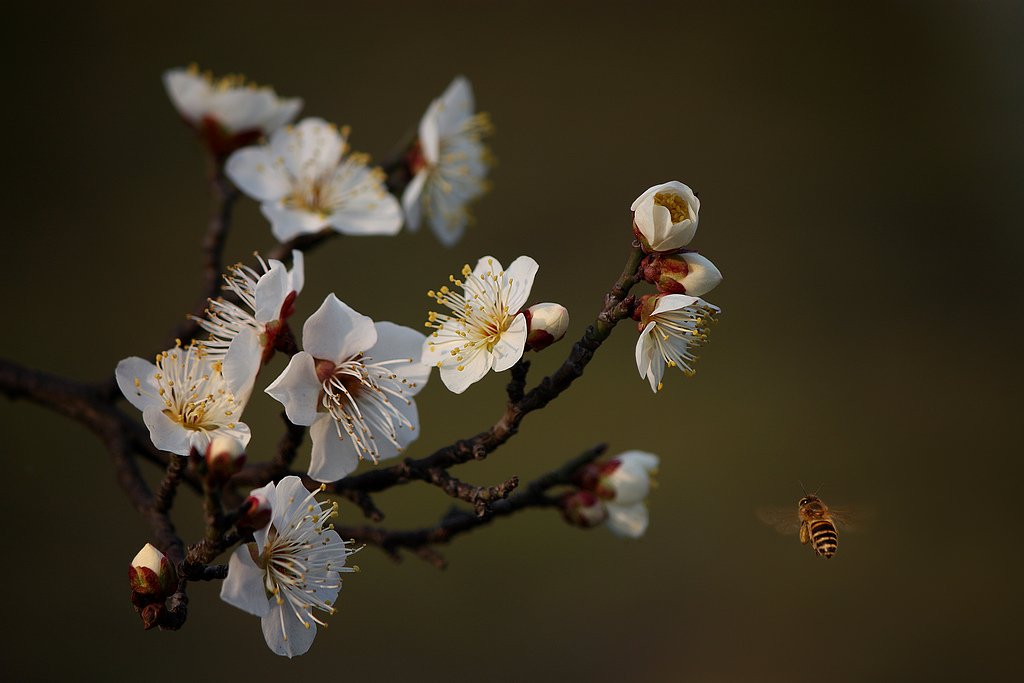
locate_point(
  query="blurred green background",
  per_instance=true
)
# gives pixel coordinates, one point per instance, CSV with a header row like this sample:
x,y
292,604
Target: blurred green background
x,y
860,170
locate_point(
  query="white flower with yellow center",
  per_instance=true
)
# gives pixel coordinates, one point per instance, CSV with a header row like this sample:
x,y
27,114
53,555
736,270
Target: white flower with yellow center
x,y
665,217
185,398
486,329
230,102
305,182
672,327
293,566
251,331
353,385
449,164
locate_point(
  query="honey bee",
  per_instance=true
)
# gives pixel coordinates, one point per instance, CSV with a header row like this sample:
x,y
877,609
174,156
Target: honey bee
x,y
816,522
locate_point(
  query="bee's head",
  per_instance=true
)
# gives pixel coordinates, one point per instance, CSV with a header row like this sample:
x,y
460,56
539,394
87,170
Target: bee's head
x,y
809,499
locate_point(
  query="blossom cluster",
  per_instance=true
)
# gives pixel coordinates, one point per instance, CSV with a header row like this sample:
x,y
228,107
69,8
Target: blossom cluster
x,y
307,179
351,380
674,322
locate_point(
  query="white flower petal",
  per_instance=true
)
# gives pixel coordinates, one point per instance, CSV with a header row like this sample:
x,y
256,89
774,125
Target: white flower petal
x,y
271,290
134,368
510,347
284,633
380,215
310,149
242,364
287,223
243,586
336,332
395,341
520,276
411,201
298,390
257,174
289,497
166,434
332,458
472,368
298,272
627,521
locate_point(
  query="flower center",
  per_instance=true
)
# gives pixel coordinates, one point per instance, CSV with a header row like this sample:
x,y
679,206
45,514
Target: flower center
x,y
194,391
358,394
676,205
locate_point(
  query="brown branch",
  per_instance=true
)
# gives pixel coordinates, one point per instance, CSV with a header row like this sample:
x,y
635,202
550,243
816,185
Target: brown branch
x,y
458,521
224,194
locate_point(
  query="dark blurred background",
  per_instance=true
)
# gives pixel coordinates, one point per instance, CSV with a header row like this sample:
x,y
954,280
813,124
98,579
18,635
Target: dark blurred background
x,y
859,168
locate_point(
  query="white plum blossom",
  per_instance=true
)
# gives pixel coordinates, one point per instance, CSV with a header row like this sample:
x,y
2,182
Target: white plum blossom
x,y
665,217
617,490
449,164
292,567
353,385
486,329
672,326
229,102
251,330
185,398
305,182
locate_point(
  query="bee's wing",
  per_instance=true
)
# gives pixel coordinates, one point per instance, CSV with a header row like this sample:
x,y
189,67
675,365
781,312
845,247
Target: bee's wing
x,y
785,520
850,518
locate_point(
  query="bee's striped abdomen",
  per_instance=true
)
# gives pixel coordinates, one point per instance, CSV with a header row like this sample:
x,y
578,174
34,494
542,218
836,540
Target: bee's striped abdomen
x,y
824,538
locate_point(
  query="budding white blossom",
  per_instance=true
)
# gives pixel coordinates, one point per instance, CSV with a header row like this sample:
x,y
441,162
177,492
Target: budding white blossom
x,y
353,383
665,217
229,102
545,324
224,456
449,163
305,182
151,573
185,398
486,329
681,273
293,566
672,326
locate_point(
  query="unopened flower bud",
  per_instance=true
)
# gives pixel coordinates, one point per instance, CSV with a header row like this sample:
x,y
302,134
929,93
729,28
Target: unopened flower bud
x,y
545,324
152,575
582,509
682,273
623,480
258,515
224,456
665,217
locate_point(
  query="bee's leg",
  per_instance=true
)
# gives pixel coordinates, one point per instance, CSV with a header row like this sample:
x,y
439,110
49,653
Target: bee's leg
x,y
805,532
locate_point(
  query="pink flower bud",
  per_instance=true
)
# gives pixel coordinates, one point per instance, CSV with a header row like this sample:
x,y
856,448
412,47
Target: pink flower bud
x,y
259,513
224,456
545,324
582,509
681,273
151,574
